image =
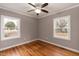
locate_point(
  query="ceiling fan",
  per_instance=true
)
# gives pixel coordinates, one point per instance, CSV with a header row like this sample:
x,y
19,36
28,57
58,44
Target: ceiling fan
x,y
38,10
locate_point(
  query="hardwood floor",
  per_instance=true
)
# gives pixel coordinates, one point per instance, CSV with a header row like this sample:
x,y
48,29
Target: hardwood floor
x,y
37,48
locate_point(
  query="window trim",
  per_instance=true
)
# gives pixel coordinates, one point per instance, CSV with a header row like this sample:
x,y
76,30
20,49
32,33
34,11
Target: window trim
x,y
2,26
69,34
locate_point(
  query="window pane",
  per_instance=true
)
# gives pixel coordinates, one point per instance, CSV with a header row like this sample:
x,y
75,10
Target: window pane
x,y
62,27
10,27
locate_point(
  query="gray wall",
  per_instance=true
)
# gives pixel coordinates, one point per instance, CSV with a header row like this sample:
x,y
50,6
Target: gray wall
x,y
28,29
43,28
46,29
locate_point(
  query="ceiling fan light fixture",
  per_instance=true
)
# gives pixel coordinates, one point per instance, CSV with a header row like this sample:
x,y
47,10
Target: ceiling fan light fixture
x,y
38,11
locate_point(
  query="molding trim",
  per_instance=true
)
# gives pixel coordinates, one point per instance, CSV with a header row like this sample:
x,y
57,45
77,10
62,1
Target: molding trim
x,y
1,49
74,50
17,11
71,49
60,11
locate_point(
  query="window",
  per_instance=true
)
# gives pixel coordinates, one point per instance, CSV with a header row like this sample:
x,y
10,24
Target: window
x,y
62,27
10,27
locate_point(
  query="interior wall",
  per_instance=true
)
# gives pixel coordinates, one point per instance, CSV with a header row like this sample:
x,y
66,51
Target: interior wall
x,y
46,29
28,29
32,28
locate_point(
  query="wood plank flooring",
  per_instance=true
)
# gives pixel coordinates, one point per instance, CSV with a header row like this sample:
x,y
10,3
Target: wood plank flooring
x,y
37,48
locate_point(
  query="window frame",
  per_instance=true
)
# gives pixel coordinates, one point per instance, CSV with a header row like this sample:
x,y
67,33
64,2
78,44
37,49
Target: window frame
x,y
2,27
69,34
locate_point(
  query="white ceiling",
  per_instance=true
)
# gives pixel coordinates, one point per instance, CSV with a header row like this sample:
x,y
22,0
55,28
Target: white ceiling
x,y
22,8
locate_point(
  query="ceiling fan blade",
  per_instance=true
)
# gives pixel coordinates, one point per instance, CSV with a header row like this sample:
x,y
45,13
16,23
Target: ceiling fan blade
x,y
44,10
44,5
30,10
32,5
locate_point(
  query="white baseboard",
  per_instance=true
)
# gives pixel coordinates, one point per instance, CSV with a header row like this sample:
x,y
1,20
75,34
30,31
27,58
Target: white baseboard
x,y
1,49
40,40
71,49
